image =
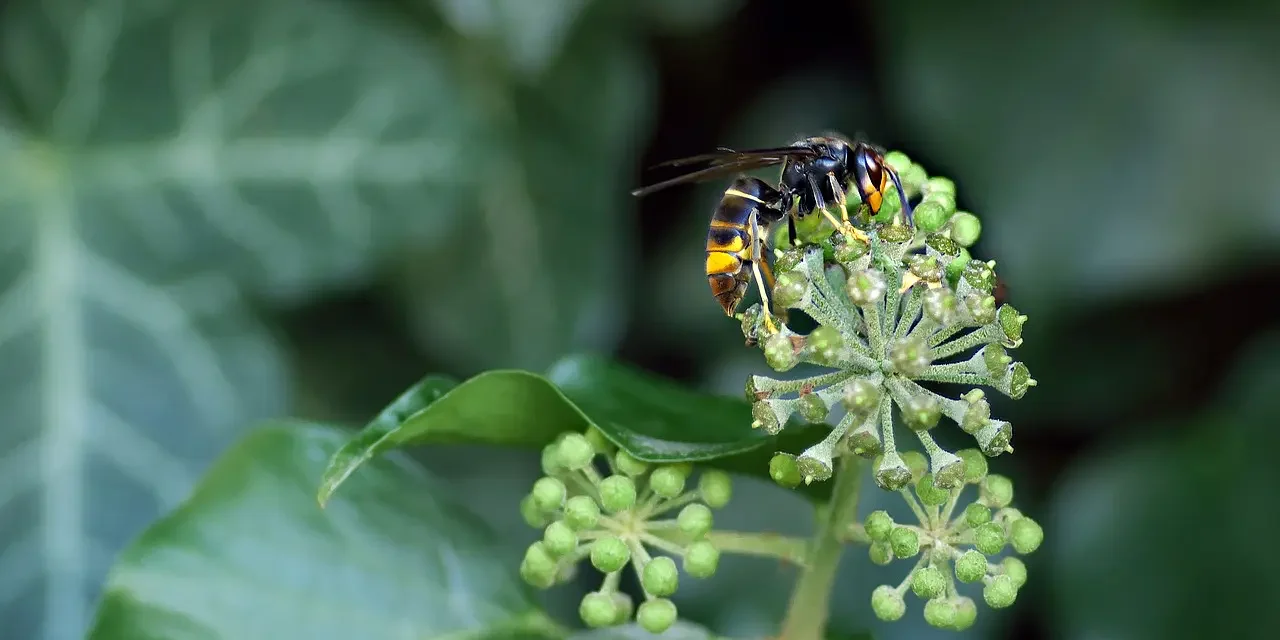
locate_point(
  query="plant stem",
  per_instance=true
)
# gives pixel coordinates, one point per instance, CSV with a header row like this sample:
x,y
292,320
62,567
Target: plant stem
x,y
809,607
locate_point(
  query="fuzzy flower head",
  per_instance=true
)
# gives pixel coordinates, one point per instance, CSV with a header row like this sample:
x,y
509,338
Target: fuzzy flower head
x,y
896,308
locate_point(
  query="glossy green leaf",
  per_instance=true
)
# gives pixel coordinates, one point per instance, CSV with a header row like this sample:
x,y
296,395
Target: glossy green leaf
x,y
158,160
1172,522
651,418
250,555
543,261
514,408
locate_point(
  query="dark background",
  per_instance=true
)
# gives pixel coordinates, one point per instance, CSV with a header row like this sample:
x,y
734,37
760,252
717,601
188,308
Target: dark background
x,y
1122,157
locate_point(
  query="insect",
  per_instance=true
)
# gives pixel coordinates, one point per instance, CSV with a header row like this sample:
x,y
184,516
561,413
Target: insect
x,y
816,171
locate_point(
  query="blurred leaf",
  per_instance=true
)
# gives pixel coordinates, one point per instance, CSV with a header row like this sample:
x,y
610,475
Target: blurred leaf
x,y
652,419
529,34
545,262
249,555
496,407
1172,522
156,157
679,16
1088,153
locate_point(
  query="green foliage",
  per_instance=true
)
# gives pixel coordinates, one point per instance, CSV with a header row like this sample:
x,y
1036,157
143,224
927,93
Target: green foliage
x,y
249,555
650,419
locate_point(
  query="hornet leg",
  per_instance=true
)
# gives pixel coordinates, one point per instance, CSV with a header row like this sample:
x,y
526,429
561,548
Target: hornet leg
x,y
847,229
757,257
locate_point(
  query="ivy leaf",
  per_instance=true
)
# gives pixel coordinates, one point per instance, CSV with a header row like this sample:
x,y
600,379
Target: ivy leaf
x,y
249,555
531,35
653,419
542,265
158,159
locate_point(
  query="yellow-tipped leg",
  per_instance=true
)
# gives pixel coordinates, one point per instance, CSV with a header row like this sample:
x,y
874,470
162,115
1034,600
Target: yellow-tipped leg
x,y
764,299
847,228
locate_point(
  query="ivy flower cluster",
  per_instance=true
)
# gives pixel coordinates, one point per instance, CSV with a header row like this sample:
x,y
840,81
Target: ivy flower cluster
x,y
618,520
895,307
951,545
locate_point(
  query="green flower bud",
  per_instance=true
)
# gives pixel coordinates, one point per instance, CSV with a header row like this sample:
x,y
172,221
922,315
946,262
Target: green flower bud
x,y
981,307
599,443
574,451
626,607
971,566
559,539
994,438
926,267
790,288
1025,535
850,250
824,345
980,276
929,494
628,465
940,306
916,462
881,553
930,215
996,491
581,513
887,603
701,559
610,554
538,568
940,185
1000,592
865,287
861,397
551,460
892,473
1011,323
878,525
975,465
977,514
548,494
657,615
694,520
989,538
928,582
779,352
660,576
905,542
966,613
617,493
898,161
784,470
955,268
1016,570
1019,381
598,610
911,356
812,408
533,516
940,613
965,228
667,482
976,416
921,412
716,488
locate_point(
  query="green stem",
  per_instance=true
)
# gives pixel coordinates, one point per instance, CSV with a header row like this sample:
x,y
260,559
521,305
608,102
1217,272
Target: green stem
x,y
809,607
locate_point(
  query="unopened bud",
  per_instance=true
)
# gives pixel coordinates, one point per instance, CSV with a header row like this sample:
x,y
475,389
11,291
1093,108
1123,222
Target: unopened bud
x,y
887,603
930,215
929,494
971,566
581,513
598,610
996,491
574,451
656,615
790,289
940,613
940,306
559,539
989,538
905,542
928,582
861,396
610,554
812,408
1000,592
701,559
977,514
784,470
921,412
695,520
916,462
660,576
865,287
878,525
911,356
548,494
1016,569
538,568
779,352
965,228
880,553
617,493
1025,535
716,488
628,465
824,345
966,613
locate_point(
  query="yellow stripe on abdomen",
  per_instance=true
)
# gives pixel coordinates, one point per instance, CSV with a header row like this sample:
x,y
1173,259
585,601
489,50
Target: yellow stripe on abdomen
x,y
718,262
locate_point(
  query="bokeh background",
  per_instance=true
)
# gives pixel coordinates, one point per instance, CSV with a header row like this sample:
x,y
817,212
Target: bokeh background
x,y
217,211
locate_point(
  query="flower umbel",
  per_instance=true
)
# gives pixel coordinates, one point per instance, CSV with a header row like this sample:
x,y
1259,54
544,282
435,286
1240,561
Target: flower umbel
x,y
951,545
626,518
895,307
